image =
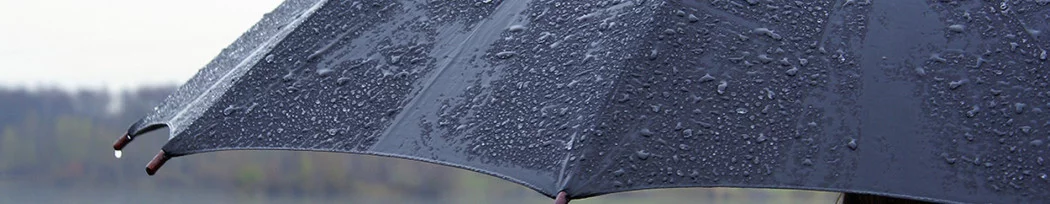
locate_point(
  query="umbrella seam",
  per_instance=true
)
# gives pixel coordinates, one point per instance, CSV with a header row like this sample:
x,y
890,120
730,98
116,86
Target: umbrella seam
x,y
250,61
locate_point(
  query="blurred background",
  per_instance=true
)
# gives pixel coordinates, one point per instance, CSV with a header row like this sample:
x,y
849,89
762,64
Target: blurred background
x,y
75,74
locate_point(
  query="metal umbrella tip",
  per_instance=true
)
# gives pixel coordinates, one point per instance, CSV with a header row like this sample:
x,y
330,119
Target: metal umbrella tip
x,y
157,162
121,142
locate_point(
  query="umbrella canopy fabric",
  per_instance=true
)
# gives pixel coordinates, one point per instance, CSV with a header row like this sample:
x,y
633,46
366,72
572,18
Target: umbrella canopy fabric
x,y
931,100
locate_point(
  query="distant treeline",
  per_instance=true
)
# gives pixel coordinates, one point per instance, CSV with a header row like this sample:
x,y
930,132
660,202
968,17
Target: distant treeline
x,y
63,139
54,137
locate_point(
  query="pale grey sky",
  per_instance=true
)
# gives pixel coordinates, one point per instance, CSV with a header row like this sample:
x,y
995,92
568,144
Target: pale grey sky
x,y
116,44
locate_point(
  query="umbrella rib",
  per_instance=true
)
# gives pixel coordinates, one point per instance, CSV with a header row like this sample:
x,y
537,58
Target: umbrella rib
x,y
248,61
562,181
441,69
430,81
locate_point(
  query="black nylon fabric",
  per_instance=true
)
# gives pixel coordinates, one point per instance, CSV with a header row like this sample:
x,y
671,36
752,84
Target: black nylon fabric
x,y
931,100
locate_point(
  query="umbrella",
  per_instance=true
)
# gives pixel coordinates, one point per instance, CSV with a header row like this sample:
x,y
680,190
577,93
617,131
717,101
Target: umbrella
x,y
937,101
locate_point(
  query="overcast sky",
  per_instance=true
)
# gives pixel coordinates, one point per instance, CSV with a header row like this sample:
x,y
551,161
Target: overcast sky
x,y
116,44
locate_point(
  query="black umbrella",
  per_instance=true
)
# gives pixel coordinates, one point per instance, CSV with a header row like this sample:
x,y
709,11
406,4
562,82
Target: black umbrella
x,y
938,101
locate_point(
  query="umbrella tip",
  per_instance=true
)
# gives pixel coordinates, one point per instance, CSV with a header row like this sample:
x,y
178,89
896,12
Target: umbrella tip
x,y
121,142
157,162
563,198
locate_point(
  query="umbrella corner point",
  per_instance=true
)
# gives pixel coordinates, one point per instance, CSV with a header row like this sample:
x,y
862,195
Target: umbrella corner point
x,y
122,142
562,198
157,162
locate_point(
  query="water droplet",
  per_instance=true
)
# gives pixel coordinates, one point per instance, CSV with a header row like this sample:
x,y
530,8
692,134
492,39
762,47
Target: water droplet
x,y
669,31
722,87
506,54
324,72
937,58
693,19
958,28
516,28
807,162
949,159
646,132
1019,107
852,144
793,71
956,84
679,13
741,110
117,153
767,32
764,59
269,58
229,110
973,111
642,154
706,78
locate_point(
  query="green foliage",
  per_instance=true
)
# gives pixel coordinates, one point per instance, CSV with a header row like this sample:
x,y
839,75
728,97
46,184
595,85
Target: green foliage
x,y
11,144
249,176
72,137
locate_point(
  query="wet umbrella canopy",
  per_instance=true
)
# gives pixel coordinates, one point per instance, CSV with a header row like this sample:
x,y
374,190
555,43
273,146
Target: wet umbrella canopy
x,y
929,100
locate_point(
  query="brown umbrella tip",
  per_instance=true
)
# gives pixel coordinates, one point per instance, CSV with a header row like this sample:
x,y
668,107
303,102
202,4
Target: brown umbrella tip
x,y
563,198
157,162
121,142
